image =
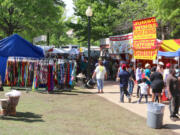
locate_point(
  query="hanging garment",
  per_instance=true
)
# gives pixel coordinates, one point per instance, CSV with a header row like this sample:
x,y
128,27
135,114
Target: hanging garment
x,y
50,83
70,73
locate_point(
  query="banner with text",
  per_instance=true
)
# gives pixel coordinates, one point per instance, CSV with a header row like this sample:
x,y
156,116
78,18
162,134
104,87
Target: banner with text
x,y
145,54
144,38
121,44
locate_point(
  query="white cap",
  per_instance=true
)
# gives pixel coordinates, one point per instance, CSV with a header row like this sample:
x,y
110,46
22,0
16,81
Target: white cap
x,y
161,63
147,65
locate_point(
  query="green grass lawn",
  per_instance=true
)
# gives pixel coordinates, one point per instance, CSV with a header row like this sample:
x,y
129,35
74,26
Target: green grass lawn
x,y
72,113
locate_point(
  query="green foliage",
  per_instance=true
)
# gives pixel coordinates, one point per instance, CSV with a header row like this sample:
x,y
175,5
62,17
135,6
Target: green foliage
x,y
127,12
31,18
112,17
168,16
101,21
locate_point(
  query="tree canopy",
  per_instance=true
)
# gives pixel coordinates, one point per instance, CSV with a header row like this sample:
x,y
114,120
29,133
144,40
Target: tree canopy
x,y
32,18
101,21
112,17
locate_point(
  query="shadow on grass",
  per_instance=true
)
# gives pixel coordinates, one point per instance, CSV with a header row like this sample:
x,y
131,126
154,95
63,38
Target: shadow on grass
x,y
66,92
58,92
171,126
24,116
82,92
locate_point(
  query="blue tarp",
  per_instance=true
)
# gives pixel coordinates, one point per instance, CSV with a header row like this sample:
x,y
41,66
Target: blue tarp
x,y
3,62
18,47
169,54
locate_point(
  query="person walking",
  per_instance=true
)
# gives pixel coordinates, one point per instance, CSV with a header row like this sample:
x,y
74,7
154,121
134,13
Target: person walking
x,y
160,68
100,73
123,77
177,70
114,69
165,75
174,94
138,77
147,76
157,84
131,78
144,90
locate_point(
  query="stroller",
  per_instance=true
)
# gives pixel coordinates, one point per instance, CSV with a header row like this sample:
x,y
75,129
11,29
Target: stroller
x,y
91,84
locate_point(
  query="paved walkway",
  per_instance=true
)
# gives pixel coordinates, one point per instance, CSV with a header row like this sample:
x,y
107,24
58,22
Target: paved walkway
x,y
111,93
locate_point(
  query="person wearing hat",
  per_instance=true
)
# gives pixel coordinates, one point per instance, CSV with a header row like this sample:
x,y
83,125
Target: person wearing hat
x,y
147,76
123,77
160,67
100,73
166,71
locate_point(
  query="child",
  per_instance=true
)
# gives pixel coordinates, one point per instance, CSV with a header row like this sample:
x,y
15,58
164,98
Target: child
x,y
144,90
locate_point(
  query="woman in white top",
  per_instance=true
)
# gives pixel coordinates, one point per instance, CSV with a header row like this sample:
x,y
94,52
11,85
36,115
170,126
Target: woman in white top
x,y
100,73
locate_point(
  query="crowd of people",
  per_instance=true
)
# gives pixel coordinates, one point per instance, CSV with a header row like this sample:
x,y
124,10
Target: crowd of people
x,y
152,82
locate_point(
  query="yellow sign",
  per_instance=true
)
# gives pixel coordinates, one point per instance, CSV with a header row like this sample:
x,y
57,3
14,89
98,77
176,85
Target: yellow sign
x,y
145,54
144,39
144,34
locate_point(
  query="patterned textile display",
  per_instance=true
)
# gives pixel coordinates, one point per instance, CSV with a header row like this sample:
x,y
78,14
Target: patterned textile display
x,y
48,73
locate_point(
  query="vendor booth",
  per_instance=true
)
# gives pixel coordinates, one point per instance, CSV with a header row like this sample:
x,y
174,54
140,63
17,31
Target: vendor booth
x,y
23,65
170,45
18,47
169,51
121,46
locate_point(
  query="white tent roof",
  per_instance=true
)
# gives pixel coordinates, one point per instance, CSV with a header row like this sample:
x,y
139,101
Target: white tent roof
x,y
58,51
45,47
74,51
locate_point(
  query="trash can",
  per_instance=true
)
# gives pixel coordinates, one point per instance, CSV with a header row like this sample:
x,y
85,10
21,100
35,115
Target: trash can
x,y
13,96
155,112
81,80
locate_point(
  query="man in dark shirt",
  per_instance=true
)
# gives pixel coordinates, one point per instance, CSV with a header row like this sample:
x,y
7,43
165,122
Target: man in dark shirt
x,y
174,94
123,76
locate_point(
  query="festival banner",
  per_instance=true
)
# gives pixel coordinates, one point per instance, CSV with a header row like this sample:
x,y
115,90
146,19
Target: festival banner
x,y
121,44
144,38
144,44
145,54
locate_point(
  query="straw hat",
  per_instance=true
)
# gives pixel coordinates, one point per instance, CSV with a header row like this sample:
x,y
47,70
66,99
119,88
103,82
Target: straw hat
x,y
161,63
147,65
80,75
100,59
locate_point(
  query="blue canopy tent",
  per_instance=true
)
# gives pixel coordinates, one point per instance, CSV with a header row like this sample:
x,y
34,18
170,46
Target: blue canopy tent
x,y
169,54
18,47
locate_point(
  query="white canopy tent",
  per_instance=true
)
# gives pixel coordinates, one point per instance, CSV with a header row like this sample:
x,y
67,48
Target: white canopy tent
x,y
58,51
73,51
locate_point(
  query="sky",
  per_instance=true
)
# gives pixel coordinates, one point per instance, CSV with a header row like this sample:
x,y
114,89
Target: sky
x,y
69,8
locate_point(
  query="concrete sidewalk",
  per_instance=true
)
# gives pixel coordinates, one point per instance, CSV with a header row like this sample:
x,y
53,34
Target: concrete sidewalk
x,y
111,93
